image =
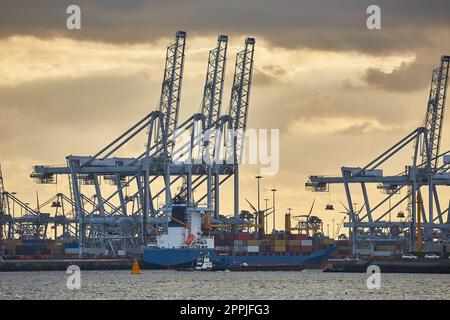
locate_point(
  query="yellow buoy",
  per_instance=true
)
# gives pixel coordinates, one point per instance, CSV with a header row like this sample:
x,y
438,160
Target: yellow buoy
x,y
135,269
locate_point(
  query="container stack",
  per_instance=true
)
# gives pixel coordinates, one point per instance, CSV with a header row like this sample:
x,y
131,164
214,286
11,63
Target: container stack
x,y
247,243
39,248
9,247
343,249
34,249
279,245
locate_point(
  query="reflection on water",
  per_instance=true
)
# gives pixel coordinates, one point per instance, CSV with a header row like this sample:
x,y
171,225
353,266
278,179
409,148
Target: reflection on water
x,y
221,285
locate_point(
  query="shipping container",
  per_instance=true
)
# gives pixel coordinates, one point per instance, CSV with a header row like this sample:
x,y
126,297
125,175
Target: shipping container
x,y
279,249
328,241
385,247
36,241
71,245
27,250
382,253
298,236
305,243
253,248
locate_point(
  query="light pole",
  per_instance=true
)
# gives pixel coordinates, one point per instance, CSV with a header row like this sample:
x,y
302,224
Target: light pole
x,y
273,212
333,228
13,193
266,220
259,207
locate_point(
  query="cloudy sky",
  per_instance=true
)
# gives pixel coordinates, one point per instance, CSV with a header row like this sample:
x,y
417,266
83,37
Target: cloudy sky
x,y
339,93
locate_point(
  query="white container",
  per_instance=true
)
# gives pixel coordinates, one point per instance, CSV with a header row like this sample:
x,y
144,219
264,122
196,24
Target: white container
x,y
306,243
95,251
364,251
120,253
381,253
210,242
253,248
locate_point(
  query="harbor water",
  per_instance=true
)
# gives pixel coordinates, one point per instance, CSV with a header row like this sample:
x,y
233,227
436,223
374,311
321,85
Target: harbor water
x,y
152,284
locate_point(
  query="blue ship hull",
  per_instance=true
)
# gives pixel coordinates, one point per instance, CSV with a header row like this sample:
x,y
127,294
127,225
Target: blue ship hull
x,y
185,257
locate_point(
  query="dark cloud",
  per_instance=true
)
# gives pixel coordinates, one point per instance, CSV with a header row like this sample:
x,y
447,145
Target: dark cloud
x,y
329,25
261,78
275,70
408,76
347,84
269,75
407,26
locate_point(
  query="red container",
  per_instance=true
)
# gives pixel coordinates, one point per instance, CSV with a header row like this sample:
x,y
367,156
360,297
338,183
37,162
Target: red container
x,y
242,236
306,249
298,237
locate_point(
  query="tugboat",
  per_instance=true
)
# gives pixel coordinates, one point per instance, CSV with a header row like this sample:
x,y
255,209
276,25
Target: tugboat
x,y
203,262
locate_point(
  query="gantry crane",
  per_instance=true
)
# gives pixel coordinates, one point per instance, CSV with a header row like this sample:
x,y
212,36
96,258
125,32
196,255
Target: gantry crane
x,y
100,228
430,168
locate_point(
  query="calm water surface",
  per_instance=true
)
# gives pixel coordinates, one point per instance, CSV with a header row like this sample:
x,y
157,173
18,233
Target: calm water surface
x,y
221,285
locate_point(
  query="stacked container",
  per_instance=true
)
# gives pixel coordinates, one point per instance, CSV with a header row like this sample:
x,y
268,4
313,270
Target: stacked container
x,y
248,243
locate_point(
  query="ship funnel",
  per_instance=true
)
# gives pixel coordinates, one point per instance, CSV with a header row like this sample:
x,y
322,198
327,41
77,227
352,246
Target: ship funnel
x,y
287,223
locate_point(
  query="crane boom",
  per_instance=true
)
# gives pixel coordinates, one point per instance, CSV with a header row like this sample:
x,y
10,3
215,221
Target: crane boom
x,y
2,194
215,76
213,92
435,113
240,97
169,103
2,205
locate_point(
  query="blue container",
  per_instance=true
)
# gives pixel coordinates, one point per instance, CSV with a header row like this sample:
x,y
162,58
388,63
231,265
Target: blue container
x,y
26,250
32,249
35,241
72,245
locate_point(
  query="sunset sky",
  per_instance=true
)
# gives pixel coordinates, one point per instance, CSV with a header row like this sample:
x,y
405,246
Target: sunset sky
x,y
340,94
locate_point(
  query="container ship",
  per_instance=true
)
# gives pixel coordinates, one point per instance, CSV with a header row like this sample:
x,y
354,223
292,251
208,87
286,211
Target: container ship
x,y
233,244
